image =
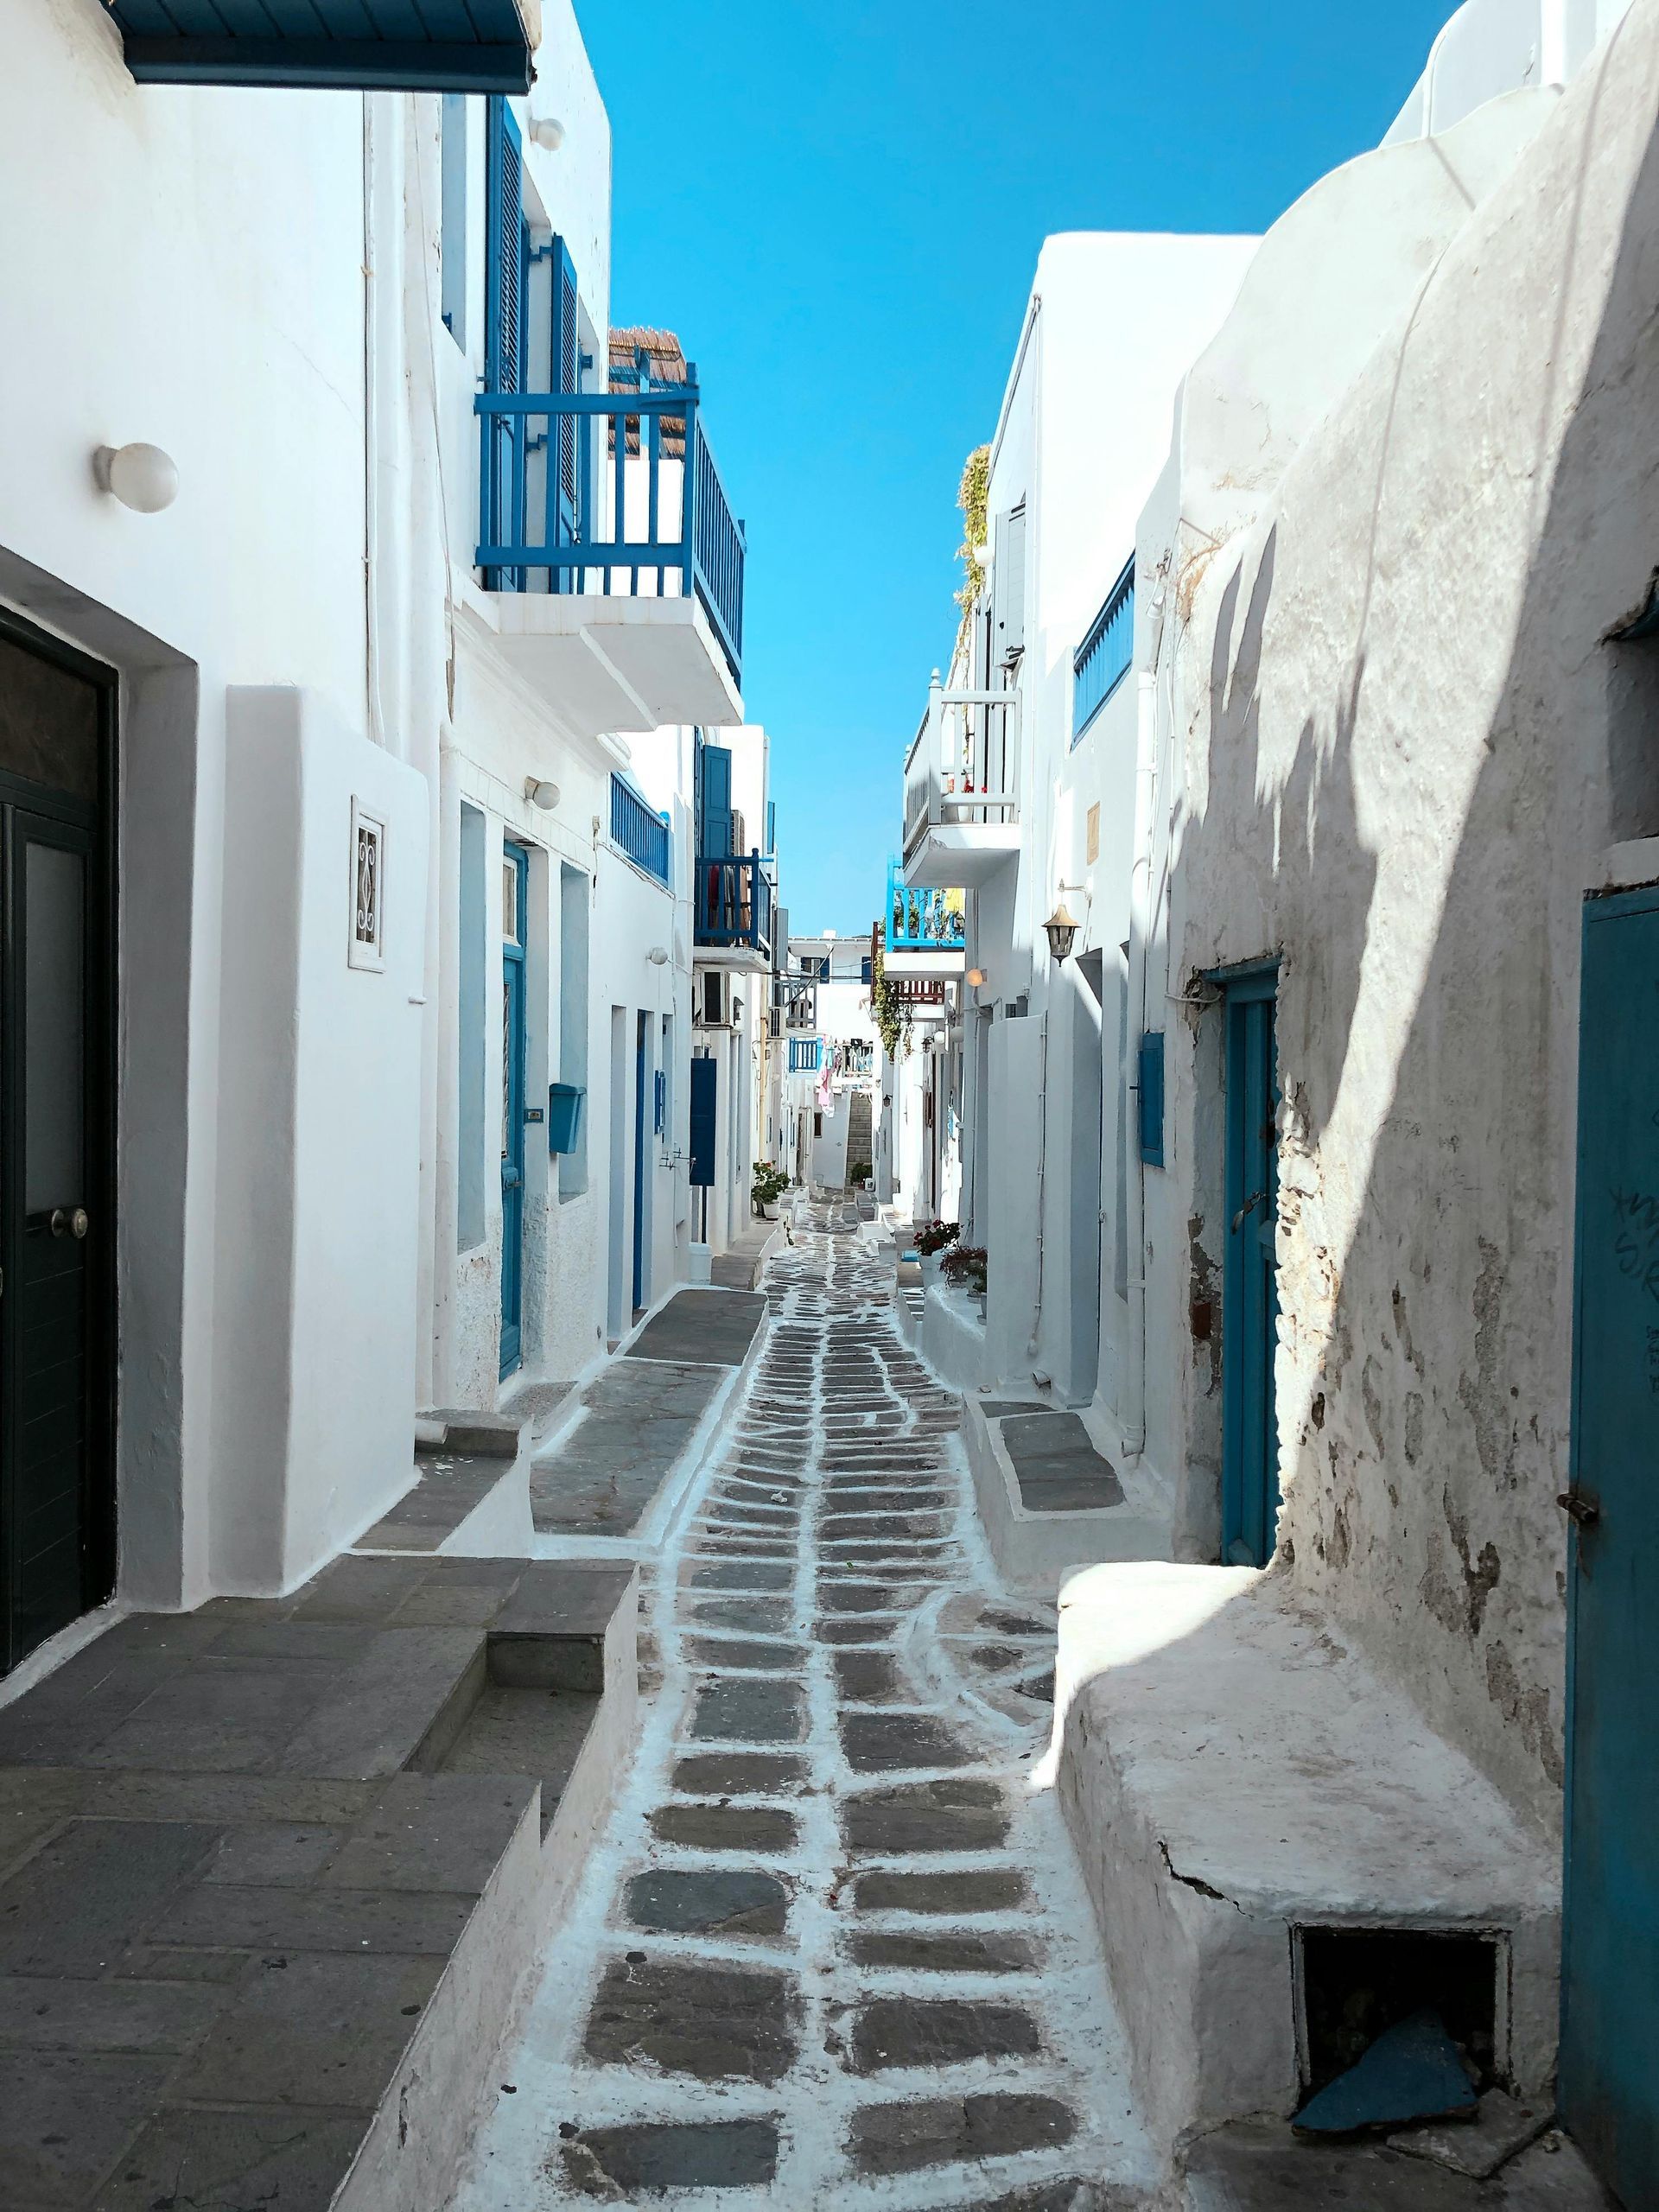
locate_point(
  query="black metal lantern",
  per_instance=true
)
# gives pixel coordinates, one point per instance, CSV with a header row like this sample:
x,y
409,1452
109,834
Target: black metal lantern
x,y
1061,929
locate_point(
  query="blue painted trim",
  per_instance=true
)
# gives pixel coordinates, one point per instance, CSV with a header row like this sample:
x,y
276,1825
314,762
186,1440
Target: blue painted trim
x,y
703,1122
1107,653
1250,1482
513,1160
1149,1085
642,835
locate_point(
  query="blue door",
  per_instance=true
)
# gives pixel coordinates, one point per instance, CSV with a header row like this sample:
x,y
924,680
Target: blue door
x,y
515,880
1609,1980
640,1051
1249,1470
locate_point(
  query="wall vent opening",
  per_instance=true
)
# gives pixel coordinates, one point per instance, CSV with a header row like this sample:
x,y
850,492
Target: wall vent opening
x,y
1352,1984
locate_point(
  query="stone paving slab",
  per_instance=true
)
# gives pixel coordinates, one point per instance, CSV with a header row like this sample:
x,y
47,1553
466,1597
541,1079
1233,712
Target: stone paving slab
x,y
1056,1464
641,1416
709,1325
835,1956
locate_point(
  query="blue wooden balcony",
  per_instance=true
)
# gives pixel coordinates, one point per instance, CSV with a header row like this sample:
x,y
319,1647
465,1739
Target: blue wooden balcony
x,y
442,45
805,1055
920,921
640,834
612,495
731,904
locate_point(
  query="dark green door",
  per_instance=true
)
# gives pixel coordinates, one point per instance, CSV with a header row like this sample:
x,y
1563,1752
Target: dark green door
x,y
1610,2022
56,1371
1249,1476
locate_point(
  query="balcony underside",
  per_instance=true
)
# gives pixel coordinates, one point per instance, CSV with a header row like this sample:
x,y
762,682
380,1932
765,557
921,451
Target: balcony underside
x,y
746,959
958,856
609,663
459,46
944,962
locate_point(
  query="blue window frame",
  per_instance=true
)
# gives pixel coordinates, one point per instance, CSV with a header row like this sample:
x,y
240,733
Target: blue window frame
x,y
1149,1082
1103,658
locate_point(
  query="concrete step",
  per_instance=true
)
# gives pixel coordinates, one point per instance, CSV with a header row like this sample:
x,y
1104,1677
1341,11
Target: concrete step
x,y
1049,1500
273,1876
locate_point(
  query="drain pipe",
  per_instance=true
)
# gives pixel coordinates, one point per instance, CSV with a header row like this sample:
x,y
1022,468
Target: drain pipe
x,y
1132,1406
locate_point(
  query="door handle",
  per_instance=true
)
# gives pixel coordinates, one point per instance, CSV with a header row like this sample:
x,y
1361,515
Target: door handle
x,y
1580,1506
70,1218
1248,1208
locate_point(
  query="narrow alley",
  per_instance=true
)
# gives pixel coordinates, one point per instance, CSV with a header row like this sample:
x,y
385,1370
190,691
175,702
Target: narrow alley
x,y
834,1949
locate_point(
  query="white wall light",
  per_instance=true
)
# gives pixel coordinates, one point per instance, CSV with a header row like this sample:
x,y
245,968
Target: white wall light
x,y
547,131
142,477
541,794
658,955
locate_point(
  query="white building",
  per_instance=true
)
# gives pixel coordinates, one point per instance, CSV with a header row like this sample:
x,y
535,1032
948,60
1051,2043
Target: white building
x,y
318,780
831,1047
1360,921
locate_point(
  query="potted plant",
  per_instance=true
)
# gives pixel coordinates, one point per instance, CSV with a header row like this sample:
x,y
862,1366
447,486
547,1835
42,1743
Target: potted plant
x,y
929,1241
766,1187
966,1265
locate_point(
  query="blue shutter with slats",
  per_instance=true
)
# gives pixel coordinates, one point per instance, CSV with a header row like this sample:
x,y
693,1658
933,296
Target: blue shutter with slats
x,y
1149,1077
714,809
564,359
505,250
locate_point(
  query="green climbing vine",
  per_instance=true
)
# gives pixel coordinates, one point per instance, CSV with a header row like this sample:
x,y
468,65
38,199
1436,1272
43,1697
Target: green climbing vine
x,y
892,1020
973,495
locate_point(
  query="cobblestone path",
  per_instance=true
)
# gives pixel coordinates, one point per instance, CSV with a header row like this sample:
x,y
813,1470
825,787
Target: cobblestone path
x,y
833,1951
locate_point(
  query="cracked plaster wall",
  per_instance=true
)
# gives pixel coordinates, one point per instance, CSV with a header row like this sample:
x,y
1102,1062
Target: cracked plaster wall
x,y
1408,748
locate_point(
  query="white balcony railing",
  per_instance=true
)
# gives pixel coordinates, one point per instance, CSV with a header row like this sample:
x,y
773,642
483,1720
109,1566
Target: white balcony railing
x,y
964,767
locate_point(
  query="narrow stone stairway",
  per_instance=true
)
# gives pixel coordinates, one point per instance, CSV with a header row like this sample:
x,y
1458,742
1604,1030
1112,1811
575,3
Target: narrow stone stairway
x,y
833,1951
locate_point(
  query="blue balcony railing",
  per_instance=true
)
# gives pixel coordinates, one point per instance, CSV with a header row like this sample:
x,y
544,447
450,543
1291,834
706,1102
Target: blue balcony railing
x,y
921,921
805,1055
731,903
593,491
642,835
1102,661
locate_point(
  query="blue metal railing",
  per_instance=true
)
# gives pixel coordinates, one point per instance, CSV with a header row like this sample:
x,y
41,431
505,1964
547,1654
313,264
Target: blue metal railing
x,y
593,491
731,903
921,921
1103,660
805,1055
642,835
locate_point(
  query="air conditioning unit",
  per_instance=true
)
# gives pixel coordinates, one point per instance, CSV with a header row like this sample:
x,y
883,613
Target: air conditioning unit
x,y
713,1008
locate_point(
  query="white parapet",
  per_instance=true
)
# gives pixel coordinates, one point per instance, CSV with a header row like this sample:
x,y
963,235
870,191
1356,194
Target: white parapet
x,y
1232,1774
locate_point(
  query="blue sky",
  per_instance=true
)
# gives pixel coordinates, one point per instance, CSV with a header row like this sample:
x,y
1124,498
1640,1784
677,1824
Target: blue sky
x,y
839,210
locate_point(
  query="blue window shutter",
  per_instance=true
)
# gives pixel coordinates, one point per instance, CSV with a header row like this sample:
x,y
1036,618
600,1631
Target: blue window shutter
x,y
715,826
703,1076
564,355
504,245
772,825
1150,1078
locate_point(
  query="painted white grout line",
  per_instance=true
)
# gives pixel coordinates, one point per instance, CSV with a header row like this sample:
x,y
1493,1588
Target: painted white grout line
x,y
829,1326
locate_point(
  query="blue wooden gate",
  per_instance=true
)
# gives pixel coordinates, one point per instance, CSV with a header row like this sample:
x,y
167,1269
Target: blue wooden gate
x,y
515,880
1610,1983
1249,1474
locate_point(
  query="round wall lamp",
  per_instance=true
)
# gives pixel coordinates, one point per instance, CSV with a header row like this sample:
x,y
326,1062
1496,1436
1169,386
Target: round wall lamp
x,y
541,793
975,978
547,131
1060,928
658,955
142,477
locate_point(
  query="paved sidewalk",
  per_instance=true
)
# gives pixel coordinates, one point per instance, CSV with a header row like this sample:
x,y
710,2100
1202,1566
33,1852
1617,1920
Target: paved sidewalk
x,y
834,1952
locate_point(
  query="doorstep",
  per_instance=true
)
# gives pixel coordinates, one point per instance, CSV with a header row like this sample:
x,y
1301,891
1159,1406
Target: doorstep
x,y
1257,2166
273,1876
1049,1501
1231,1777
616,1473
739,1266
